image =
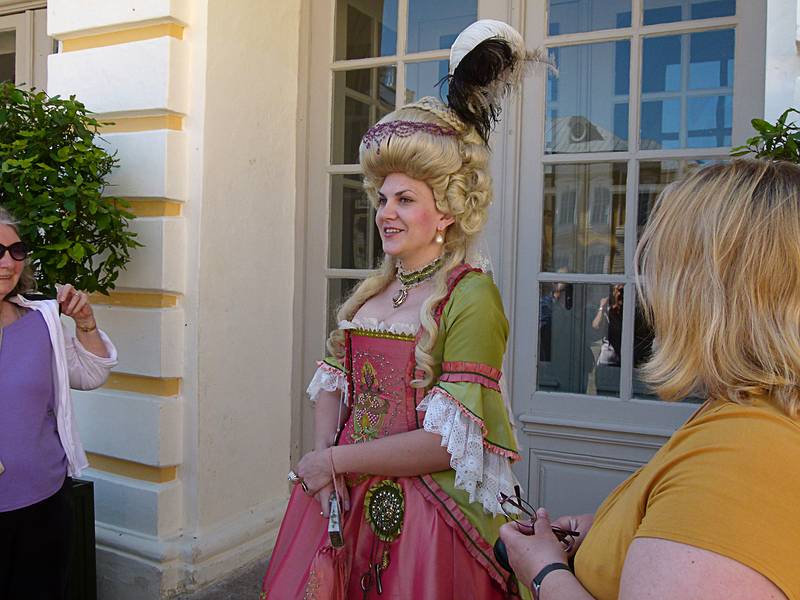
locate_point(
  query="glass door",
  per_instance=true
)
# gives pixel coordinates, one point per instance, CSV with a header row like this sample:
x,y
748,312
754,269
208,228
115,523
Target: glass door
x,y
646,90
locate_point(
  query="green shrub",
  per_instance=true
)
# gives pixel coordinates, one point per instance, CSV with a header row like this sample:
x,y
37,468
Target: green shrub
x,y
52,178
778,141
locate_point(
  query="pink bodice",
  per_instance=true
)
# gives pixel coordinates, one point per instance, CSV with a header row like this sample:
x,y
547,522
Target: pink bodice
x,y
380,366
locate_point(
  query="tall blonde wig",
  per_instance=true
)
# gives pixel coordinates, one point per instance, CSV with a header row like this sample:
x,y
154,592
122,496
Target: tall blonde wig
x,y
719,276
456,167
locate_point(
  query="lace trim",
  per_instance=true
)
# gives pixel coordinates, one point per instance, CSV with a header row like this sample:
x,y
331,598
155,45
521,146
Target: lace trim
x,y
372,324
329,379
481,471
478,422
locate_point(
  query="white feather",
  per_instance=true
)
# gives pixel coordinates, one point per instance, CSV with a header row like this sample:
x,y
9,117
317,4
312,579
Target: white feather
x,y
483,30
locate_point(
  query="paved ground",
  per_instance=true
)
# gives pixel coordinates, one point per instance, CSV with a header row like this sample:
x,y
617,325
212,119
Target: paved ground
x,y
244,584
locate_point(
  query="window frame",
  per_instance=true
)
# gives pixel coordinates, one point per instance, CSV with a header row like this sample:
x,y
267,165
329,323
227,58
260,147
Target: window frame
x,y
748,102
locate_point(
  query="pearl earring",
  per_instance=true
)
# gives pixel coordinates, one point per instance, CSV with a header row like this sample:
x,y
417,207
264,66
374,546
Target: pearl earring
x,y
439,237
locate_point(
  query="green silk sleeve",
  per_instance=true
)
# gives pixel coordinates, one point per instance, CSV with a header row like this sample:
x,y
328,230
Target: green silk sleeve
x,y
332,361
474,331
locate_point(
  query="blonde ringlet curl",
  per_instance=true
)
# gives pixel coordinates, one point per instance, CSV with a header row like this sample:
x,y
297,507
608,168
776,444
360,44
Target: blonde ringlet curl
x,y
718,273
456,167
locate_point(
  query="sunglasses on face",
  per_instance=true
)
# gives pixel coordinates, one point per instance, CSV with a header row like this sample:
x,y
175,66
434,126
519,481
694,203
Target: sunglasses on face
x,y
17,250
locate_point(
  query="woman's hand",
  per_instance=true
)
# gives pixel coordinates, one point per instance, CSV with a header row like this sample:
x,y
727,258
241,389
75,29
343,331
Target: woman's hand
x,y
528,554
580,523
316,471
75,304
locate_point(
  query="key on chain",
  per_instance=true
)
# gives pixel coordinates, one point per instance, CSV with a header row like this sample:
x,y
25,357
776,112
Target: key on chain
x,y
378,582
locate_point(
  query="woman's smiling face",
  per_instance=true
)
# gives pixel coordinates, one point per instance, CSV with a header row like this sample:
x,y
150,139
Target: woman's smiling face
x,y
10,269
408,220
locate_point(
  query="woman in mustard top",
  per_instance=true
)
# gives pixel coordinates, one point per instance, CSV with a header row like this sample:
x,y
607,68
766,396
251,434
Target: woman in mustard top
x,y
715,514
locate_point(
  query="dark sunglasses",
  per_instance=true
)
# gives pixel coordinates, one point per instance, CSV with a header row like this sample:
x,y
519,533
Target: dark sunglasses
x,y
17,250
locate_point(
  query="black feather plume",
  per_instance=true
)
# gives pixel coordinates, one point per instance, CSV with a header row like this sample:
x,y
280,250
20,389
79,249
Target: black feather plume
x,y
473,86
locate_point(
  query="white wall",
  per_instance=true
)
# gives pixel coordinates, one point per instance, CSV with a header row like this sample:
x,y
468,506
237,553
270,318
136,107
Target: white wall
x,y
783,63
231,78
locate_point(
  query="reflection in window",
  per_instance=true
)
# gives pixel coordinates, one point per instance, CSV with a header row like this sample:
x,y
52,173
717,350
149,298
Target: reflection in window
x,y
8,56
338,291
421,80
654,176
588,110
365,28
601,207
354,241
687,90
576,16
580,332
566,207
435,25
669,11
360,98
580,339
584,216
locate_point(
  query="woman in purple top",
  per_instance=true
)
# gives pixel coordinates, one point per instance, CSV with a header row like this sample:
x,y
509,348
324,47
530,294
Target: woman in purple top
x,y
39,445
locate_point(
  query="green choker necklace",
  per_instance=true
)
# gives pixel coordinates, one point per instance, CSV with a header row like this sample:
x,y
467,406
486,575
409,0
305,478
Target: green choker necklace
x,y
411,279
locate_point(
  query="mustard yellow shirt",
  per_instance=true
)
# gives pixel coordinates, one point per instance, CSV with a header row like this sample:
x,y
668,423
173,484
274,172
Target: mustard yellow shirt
x,y
728,481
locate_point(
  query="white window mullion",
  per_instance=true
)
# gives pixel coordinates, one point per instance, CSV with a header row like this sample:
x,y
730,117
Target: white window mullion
x,y
402,44
628,306
683,128
584,157
631,201
363,63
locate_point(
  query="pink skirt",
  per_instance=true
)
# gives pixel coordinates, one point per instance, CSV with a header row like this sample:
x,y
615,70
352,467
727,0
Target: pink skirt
x,y
428,561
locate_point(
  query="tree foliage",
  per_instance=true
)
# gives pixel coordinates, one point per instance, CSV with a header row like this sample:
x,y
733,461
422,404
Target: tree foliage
x,y
778,141
52,178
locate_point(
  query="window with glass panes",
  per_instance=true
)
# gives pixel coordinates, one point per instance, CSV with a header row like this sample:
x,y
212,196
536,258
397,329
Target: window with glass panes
x,y
645,91
387,53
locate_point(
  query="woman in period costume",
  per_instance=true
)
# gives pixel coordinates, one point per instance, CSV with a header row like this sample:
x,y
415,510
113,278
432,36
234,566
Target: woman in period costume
x,y
411,428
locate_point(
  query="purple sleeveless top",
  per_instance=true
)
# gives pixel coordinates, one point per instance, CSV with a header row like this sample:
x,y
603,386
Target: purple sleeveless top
x,y
30,449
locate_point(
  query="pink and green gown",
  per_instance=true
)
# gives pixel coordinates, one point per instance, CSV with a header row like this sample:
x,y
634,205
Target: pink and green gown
x,y
450,519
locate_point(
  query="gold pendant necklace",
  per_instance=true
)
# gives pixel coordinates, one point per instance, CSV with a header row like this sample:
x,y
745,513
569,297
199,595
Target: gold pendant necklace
x,y
397,300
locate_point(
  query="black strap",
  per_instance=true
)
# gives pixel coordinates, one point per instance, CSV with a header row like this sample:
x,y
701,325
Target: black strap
x,y
536,583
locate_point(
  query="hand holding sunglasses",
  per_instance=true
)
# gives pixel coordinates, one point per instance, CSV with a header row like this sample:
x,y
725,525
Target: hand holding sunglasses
x,y
524,516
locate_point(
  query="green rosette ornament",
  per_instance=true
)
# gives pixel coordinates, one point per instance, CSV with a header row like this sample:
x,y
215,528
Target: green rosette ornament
x,y
384,507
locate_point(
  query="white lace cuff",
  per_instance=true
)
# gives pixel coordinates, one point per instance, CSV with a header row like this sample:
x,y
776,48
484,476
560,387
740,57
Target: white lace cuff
x,y
329,379
479,472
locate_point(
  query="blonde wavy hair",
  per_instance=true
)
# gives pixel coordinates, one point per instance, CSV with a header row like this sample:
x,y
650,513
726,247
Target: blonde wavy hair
x,y
456,167
27,282
719,276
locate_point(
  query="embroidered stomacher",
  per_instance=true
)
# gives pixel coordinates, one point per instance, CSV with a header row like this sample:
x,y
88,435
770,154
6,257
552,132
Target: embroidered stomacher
x,y
482,469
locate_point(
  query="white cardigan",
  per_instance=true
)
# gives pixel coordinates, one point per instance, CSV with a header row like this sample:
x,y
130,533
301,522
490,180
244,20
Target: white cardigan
x,y
73,367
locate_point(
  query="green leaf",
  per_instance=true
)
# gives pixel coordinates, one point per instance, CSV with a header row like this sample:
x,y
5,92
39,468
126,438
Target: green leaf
x,y
76,252
59,245
53,178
